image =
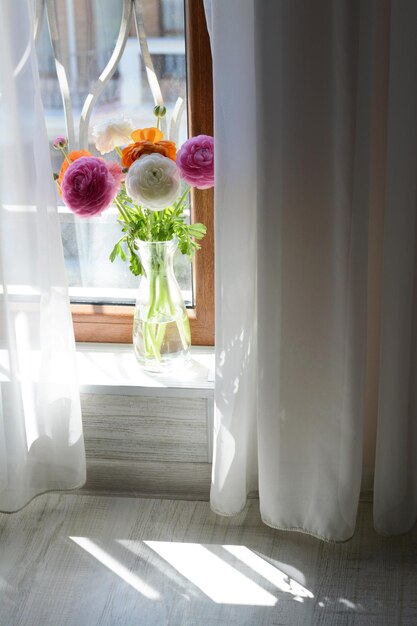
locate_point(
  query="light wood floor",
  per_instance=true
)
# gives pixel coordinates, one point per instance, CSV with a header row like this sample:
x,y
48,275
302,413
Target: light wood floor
x,y
95,560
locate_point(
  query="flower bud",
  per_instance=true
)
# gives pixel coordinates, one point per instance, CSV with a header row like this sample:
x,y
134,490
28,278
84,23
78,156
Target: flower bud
x,y
160,111
60,142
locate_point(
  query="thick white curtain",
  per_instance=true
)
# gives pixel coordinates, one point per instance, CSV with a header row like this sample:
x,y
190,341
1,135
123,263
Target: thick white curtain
x,y
316,138
41,441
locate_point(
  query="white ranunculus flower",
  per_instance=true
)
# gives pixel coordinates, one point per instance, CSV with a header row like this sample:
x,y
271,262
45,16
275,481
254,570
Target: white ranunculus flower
x,y
153,181
109,134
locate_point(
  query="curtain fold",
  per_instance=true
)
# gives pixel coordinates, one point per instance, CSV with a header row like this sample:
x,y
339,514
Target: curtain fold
x,y
235,252
314,115
41,440
395,495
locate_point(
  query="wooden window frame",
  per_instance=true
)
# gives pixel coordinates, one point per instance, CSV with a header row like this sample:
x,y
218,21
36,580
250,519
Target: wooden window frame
x,y
113,323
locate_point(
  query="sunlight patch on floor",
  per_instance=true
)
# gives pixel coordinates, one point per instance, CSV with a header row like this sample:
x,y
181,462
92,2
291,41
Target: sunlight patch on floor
x,y
275,576
218,580
116,567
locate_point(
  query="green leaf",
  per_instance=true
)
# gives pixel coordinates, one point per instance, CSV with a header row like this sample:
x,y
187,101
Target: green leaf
x,y
137,222
197,230
114,252
135,265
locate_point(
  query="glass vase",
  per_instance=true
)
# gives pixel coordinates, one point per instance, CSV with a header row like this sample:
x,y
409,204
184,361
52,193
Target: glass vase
x,y
161,330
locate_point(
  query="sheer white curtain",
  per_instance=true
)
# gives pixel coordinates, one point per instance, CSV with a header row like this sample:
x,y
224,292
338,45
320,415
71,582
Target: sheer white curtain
x,y
316,138
41,441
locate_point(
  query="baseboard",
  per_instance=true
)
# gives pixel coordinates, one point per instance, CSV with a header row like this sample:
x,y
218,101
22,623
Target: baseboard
x,y
183,481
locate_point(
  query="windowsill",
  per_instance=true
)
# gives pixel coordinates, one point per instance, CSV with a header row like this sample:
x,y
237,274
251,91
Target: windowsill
x,y
109,368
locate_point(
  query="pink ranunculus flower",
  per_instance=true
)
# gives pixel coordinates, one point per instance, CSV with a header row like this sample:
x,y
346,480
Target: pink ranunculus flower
x,y
90,185
117,173
195,161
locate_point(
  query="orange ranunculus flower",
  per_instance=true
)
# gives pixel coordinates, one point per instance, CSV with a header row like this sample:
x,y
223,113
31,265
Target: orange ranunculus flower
x,y
170,147
73,156
147,134
135,150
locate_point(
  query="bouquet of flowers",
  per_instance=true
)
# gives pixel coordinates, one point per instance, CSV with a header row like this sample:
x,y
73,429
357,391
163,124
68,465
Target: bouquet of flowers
x,y
149,184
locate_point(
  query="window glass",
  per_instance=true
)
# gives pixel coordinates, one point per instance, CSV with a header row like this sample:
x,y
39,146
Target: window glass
x,y
87,35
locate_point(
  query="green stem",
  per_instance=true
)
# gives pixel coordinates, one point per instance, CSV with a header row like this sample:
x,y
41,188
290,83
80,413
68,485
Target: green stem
x,y
151,223
119,152
182,333
160,335
122,210
148,330
183,196
162,300
148,335
160,310
66,156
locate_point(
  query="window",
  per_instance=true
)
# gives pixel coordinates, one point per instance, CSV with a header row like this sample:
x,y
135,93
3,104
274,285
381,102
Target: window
x,y
86,34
